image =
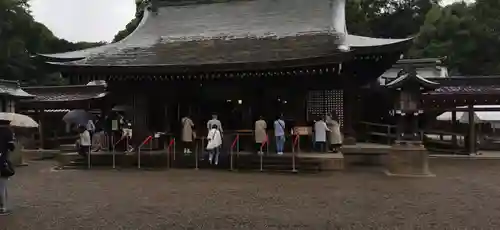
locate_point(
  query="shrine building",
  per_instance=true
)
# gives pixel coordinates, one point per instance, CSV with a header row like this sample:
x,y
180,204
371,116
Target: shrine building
x,y
240,59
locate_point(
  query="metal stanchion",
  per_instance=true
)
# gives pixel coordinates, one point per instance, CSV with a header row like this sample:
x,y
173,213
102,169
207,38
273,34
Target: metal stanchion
x,y
261,154
139,157
196,154
88,157
150,155
113,150
173,149
294,169
231,153
168,155
203,146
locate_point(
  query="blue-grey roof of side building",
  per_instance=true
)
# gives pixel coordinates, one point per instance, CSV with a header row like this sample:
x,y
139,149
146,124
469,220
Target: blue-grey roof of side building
x,y
13,89
227,32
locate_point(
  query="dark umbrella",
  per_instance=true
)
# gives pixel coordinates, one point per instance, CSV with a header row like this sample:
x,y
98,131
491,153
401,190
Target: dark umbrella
x,y
77,116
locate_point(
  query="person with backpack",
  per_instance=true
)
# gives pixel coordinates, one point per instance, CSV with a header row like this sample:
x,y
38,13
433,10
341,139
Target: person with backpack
x,y
6,167
279,132
214,138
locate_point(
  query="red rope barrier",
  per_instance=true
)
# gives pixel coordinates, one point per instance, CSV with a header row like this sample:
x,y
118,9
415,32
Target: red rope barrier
x,y
121,139
235,141
147,140
171,144
295,140
264,142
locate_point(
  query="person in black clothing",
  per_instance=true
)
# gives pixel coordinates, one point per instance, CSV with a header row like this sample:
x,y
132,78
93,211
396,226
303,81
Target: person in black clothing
x,y
6,146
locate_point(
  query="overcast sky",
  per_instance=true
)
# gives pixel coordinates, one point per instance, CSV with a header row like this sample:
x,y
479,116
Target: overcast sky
x,y
88,20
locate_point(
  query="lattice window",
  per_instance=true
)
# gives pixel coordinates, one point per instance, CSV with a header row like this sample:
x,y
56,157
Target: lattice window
x,y
320,102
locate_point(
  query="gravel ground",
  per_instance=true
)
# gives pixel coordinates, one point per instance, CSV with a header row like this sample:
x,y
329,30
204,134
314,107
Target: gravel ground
x,y
464,195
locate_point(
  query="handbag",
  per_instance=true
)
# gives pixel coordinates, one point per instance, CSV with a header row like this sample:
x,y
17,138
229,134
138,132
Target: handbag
x,y
6,169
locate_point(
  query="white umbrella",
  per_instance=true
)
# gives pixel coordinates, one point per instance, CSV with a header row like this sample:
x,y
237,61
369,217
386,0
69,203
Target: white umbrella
x,y
18,120
479,116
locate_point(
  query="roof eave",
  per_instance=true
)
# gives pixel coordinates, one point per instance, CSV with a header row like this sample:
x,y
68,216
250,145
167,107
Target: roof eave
x,y
223,67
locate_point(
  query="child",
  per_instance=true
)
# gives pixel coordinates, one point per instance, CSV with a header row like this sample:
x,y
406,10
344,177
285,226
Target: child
x,y
214,142
84,141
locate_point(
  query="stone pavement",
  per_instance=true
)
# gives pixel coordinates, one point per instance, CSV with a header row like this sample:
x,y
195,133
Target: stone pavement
x,y
464,195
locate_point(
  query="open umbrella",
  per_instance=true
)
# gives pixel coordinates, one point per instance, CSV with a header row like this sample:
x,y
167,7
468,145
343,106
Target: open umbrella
x,y
77,116
19,120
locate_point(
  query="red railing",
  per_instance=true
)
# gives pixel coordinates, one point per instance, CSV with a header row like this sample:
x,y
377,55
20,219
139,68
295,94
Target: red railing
x,y
296,140
235,141
149,138
264,142
171,144
121,139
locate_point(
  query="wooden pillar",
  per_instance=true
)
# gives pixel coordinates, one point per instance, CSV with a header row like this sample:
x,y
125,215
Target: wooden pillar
x,y
140,118
472,131
349,103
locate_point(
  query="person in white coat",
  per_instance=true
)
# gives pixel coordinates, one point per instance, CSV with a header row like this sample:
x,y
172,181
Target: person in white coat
x,y
260,133
320,130
335,137
214,138
188,134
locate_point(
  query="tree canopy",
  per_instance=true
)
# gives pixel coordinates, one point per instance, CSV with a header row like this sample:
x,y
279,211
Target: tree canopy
x,y
20,37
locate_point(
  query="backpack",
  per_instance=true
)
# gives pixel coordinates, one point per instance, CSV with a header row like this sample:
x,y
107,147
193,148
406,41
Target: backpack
x,y
6,169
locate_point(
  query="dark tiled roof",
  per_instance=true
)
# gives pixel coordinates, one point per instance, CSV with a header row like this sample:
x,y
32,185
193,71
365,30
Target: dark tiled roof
x,y
229,32
413,78
12,88
466,90
65,93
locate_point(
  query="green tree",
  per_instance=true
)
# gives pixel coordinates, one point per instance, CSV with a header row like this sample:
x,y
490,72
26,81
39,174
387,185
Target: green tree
x,y
21,37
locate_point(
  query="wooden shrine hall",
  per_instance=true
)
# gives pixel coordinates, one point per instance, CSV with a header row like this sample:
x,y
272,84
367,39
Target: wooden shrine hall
x,y
50,103
258,58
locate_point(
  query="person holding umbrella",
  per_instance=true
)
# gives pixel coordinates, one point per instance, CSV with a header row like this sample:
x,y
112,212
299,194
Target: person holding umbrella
x,y
6,168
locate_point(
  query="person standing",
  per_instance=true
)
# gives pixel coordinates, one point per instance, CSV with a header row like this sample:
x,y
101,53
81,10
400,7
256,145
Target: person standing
x,y
90,127
214,138
187,134
335,137
260,133
279,133
6,168
320,130
84,141
216,122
